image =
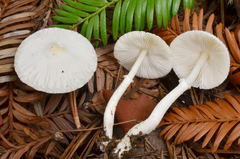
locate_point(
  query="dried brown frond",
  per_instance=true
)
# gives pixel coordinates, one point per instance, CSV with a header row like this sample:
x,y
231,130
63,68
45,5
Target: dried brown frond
x,y
23,131
220,119
18,20
233,41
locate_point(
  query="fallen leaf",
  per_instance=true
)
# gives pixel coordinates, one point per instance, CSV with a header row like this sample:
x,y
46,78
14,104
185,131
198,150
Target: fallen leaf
x,y
1,120
127,110
31,97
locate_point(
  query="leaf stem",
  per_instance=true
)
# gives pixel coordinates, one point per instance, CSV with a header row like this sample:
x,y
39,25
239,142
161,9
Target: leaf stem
x,y
92,15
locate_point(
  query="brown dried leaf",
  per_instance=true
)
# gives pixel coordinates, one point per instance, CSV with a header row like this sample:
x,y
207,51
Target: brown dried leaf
x,y
169,118
98,99
174,129
190,127
21,127
2,25
197,114
1,120
181,113
207,127
107,60
24,149
52,103
6,68
222,133
100,109
195,22
31,97
104,50
14,10
91,85
109,82
232,45
181,131
26,118
6,154
237,34
219,33
3,93
100,77
186,25
166,129
63,124
83,97
233,102
6,141
18,4
30,133
16,27
228,109
18,138
209,24
177,24
150,92
232,137
200,19
50,147
54,128
235,78
22,110
195,130
214,110
37,146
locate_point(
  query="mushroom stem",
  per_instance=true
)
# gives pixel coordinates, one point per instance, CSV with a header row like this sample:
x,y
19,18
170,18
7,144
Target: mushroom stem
x,y
158,112
198,66
112,104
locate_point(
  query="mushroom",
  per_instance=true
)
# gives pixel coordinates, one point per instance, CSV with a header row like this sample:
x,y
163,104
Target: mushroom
x,y
200,60
55,60
145,55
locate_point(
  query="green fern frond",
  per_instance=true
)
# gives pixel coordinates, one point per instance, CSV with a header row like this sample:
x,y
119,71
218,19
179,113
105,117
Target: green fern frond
x,y
128,15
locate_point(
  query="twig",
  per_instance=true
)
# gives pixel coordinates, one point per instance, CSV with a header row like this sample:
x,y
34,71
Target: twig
x,y
64,154
74,109
149,144
80,141
100,127
89,145
169,149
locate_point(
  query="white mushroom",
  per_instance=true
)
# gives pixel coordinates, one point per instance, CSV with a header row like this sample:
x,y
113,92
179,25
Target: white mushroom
x,y
200,60
55,60
145,55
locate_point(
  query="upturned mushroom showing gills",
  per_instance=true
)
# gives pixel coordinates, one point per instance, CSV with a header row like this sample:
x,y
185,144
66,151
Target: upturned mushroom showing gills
x,y
143,54
55,60
200,60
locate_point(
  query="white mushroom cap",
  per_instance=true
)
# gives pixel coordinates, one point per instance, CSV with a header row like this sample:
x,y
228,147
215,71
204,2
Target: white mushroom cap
x,y
186,50
158,61
55,60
